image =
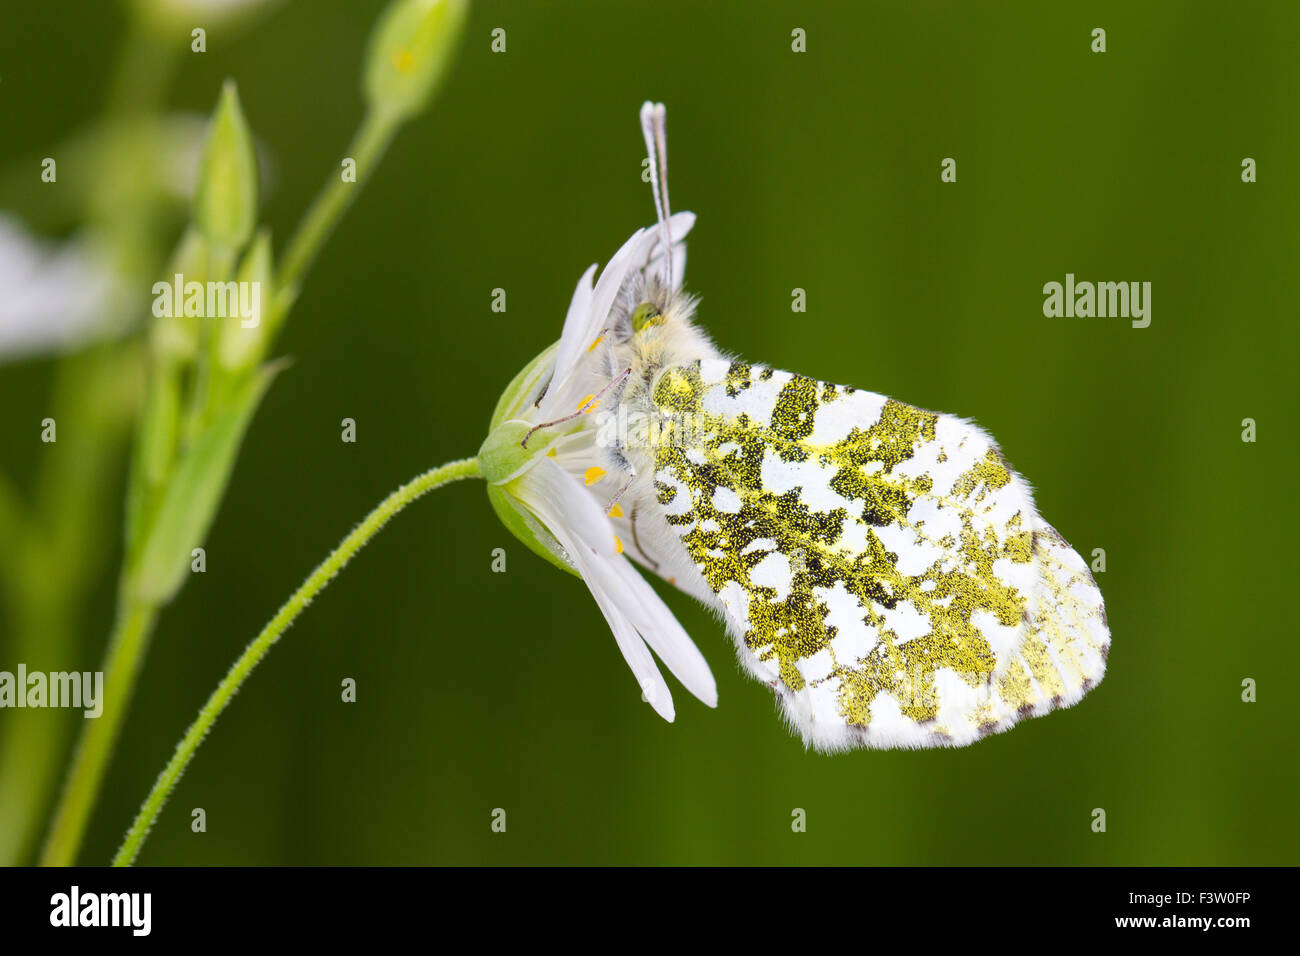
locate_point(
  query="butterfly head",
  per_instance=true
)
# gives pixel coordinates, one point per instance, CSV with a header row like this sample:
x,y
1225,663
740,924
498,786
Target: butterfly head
x,y
645,314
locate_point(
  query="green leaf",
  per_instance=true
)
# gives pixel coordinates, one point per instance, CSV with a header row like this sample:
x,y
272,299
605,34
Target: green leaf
x,y
155,446
193,495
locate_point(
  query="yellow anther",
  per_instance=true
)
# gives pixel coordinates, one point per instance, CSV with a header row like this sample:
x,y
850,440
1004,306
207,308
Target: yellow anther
x,y
593,475
588,404
600,338
616,511
551,453
618,545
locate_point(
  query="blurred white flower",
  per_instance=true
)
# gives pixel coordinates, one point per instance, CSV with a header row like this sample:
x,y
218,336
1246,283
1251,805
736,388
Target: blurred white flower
x,y
53,295
213,10
60,295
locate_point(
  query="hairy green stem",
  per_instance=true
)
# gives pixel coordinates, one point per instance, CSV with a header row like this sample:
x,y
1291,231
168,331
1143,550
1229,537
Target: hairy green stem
x,y
33,743
57,551
47,569
126,650
253,654
125,653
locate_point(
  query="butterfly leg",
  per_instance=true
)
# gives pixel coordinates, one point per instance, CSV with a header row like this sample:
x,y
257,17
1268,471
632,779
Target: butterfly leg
x,y
585,407
622,488
636,542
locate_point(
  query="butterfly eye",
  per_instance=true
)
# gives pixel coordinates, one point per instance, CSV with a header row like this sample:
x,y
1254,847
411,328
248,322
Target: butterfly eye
x,y
647,313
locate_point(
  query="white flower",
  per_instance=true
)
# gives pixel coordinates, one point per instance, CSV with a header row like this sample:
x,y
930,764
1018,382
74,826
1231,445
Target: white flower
x,y
555,484
212,10
53,296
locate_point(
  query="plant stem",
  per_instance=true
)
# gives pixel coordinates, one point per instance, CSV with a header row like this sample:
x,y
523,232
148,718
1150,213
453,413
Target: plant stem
x,y
366,148
12,519
33,745
125,653
59,550
143,69
127,647
253,654
47,570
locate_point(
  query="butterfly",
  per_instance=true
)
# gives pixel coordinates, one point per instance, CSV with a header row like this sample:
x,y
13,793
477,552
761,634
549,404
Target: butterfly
x,y
880,567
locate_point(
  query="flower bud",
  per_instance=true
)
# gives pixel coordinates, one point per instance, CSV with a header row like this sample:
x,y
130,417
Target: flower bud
x,y
174,336
225,200
242,335
410,50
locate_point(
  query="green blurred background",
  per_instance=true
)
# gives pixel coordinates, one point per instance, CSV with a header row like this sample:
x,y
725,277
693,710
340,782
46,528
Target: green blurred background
x,y
820,171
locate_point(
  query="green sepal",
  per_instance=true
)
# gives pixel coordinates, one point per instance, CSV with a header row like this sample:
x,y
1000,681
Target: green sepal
x,y
502,456
522,387
503,464
527,528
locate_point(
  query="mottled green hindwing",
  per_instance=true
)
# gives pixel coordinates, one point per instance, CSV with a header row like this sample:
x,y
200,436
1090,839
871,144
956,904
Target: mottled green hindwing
x,y
881,567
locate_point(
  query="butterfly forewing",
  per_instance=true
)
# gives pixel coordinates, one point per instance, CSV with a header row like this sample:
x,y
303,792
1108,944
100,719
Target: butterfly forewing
x,y
881,567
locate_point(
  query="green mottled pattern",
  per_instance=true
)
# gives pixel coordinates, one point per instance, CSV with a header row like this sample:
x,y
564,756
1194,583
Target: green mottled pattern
x,y
841,548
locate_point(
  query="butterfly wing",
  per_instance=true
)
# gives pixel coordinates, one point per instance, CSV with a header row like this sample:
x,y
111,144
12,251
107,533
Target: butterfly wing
x,y
881,567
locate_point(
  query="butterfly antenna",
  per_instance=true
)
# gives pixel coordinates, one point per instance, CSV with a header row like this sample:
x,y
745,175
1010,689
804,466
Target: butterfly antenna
x,y
654,128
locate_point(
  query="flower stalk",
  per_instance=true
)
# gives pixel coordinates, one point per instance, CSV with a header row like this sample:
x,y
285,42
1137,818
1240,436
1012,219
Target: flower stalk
x,y
316,582
126,649
199,402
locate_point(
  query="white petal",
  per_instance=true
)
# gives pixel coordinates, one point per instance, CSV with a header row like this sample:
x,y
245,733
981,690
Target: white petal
x,y
629,603
679,266
581,327
573,337
561,503
678,226
576,521
664,633
656,266
578,336
626,260
654,689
